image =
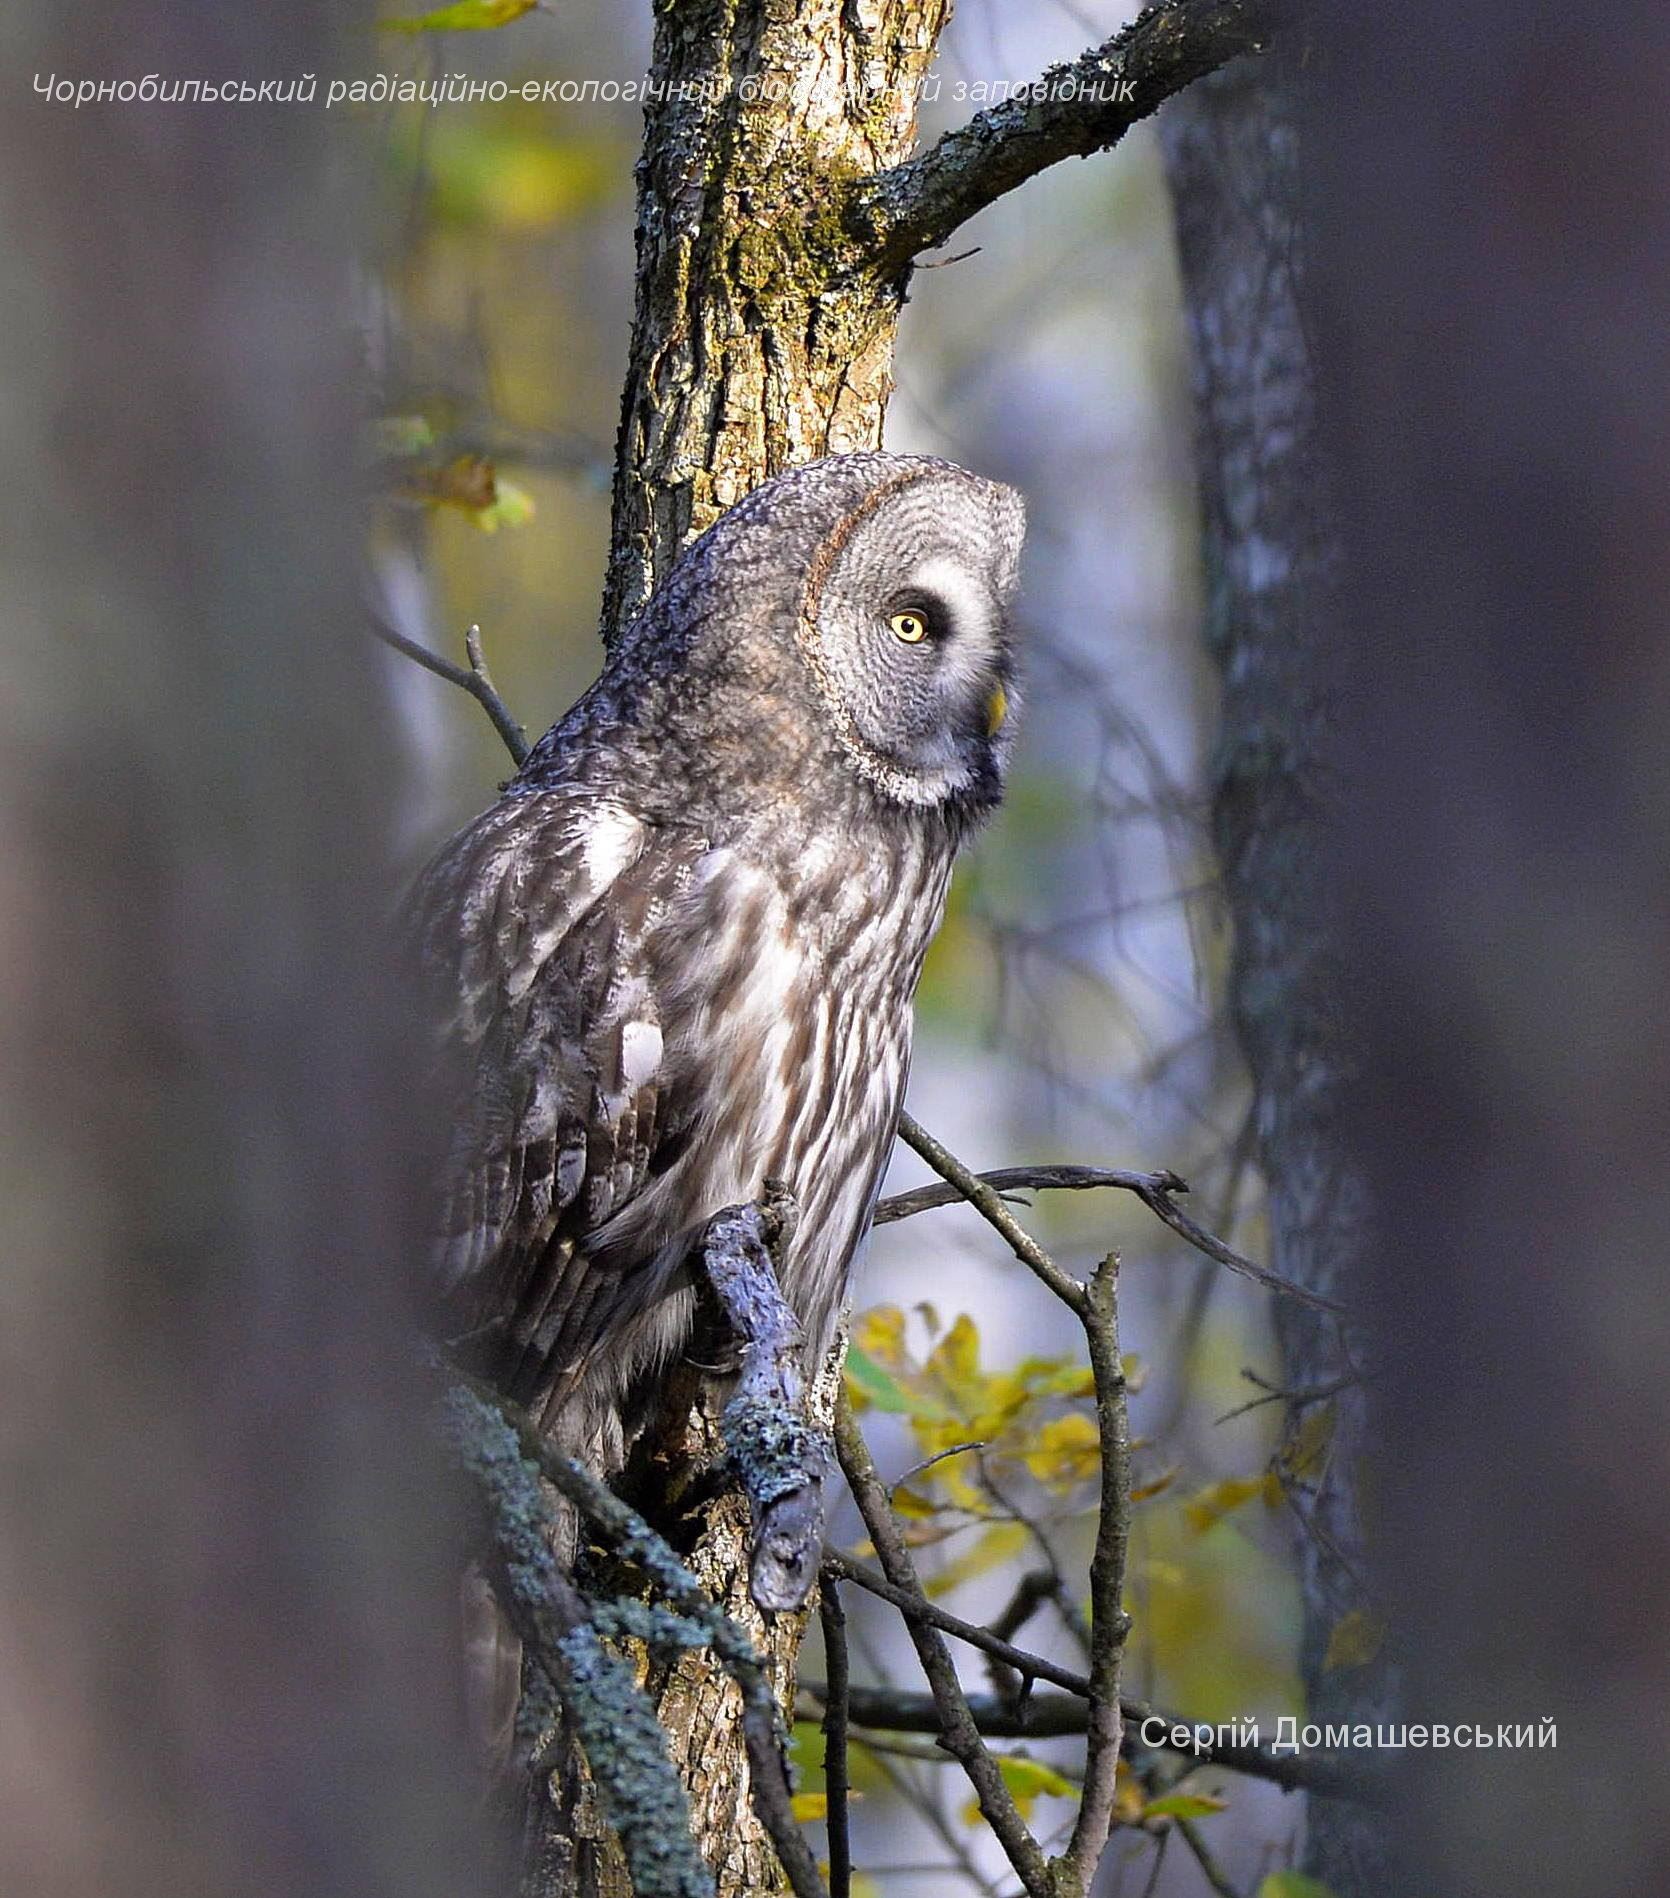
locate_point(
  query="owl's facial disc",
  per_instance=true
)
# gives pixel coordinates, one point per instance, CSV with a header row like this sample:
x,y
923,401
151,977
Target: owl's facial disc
x,y
914,637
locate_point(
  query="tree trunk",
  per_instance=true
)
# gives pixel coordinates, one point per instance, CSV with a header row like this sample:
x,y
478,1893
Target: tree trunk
x,y
761,340
1272,564
225,1605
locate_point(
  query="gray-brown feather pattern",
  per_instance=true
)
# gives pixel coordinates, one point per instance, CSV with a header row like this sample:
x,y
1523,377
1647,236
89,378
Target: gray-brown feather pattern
x,y
677,957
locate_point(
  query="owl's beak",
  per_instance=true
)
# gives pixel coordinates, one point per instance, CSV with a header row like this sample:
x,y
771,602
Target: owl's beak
x,y
997,710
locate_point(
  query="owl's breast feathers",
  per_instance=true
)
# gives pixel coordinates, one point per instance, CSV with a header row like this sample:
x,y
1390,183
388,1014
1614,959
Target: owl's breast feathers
x,y
648,1020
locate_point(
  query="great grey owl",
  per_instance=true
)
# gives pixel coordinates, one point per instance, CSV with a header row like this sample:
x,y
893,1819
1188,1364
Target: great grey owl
x,y
677,956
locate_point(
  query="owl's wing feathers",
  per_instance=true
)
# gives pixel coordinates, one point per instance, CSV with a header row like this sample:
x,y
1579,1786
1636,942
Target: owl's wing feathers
x,y
538,935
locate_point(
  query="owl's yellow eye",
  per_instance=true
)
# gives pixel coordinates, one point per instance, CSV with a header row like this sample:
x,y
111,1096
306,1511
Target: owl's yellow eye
x,y
912,628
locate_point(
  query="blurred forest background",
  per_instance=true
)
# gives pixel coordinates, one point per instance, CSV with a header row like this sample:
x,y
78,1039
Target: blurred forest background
x,y
1072,1008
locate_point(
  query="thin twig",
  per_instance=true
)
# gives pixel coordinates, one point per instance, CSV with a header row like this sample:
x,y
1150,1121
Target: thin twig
x,y
928,1462
958,1733
1035,1587
1210,1869
1294,1399
916,1606
474,679
1026,1179
1155,1190
837,1785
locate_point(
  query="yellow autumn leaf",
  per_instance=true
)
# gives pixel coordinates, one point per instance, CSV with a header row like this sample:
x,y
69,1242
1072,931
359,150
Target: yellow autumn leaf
x,y
916,1508
1302,1455
1155,1486
1184,1806
880,1332
1355,1639
810,1806
1217,1500
1293,1885
1004,1396
467,482
1129,1800
463,16
1067,1451
1028,1782
999,1543
510,506
956,1358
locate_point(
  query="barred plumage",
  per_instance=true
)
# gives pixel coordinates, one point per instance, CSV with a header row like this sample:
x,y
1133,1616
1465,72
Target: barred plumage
x,y
677,957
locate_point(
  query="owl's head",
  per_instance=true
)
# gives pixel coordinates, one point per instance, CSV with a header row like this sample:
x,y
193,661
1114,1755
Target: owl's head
x,y
904,623
866,598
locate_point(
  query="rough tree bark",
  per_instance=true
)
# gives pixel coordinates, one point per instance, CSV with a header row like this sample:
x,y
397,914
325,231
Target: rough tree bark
x,y
763,335
226,1603
1272,554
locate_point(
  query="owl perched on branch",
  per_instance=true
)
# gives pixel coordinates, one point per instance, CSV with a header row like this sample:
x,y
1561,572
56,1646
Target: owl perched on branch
x,y
677,957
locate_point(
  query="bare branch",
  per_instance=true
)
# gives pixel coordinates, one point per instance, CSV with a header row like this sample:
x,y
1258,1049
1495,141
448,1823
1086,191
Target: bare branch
x,y
1060,1716
1210,1869
1155,1190
781,1460
1071,111
474,679
958,1733
1026,1179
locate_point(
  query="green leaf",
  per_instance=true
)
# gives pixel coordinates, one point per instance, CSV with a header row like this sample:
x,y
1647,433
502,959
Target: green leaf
x,y
463,16
876,1386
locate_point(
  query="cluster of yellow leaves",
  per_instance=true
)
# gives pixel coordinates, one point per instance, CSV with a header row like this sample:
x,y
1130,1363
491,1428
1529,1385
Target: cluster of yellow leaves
x,y
1035,1420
